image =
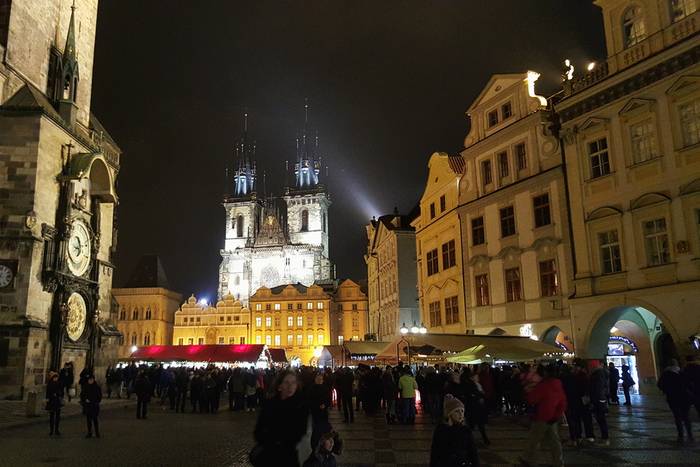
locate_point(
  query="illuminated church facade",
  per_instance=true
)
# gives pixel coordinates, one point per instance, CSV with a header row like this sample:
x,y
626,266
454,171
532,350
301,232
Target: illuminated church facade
x,y
275,240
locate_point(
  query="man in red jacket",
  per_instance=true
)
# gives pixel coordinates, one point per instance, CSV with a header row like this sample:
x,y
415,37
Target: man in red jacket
x,y
549,401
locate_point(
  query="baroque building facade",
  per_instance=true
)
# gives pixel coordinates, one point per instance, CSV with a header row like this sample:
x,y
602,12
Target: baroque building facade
x,y
271,241
293,317
198,323
391,275
147,307
349,313
513,212
630,129
58,167
439,265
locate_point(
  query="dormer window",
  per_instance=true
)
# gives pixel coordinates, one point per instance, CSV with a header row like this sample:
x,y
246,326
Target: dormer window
x,y
681,9
506,110
493,118
633,26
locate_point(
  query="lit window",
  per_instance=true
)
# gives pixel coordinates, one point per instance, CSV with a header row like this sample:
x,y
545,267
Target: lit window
x,y
309,306
268,340
340,340
610,252
633,27
278,306
300,321
507,221
503,169
300,339
478,233
486,175
258,306
451,310
310,339
290,339
290,321
599,158
492,118
258,321
540,205
319,306
521,156
656,242
681,9
319,341
643,141
690,122
278,339
513,285
268,321
549,283
435,314
482,289
432,262
449,258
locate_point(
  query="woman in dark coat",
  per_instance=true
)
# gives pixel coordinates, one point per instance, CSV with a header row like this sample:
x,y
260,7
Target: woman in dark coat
x,y
477,411
453,445
281,425
54,402
318,406
90,397
675,387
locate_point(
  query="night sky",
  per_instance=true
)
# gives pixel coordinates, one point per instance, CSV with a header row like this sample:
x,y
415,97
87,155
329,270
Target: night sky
x,y
388,83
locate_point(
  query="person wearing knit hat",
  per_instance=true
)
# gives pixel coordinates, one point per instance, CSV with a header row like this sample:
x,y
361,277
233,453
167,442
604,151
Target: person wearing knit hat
x,y
453,444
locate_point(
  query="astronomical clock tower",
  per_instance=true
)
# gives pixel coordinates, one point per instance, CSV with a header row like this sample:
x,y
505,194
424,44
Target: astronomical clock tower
x,y
58,167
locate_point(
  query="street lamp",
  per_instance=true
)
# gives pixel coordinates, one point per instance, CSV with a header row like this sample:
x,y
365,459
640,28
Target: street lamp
x,y
406,332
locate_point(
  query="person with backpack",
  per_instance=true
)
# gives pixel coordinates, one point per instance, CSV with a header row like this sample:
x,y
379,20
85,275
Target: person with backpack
x,y
627,383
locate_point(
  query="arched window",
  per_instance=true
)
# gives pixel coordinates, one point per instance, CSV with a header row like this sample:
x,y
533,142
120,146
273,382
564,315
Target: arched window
x,y
304,221
122,314
323,221
633,27
134,339
135,314
681,9
148,313
239,226
147,339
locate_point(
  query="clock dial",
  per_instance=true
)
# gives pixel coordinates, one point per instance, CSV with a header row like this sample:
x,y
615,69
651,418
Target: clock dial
x,y
79,249
6,276
77,315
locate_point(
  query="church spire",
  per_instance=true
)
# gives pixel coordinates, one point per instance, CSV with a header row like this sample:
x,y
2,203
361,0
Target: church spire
x,y
68,76
244,174
307,168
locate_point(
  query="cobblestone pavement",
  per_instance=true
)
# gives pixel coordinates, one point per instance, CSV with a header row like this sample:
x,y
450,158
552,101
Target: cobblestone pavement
x,y
641,435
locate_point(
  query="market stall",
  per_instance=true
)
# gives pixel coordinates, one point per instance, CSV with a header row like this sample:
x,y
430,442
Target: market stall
x,y
234,354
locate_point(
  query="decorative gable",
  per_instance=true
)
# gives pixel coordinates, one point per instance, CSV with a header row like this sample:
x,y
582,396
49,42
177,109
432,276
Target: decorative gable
x,y
636,105
683,85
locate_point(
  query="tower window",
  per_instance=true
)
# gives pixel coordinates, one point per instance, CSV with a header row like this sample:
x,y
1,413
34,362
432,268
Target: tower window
x,y
239,226
323,221
304,221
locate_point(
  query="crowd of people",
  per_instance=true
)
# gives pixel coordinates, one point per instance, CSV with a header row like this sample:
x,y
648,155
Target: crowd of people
x,y
294,404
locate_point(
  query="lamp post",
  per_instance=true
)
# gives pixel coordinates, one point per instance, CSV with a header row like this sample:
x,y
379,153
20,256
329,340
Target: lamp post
x,y
408,333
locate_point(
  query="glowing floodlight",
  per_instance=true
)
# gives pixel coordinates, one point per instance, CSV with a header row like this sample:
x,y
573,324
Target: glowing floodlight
x,y
532,77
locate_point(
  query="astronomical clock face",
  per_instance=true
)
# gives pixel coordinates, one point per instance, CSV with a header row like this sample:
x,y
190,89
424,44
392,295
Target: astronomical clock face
x,y
6,276
77,316
79,249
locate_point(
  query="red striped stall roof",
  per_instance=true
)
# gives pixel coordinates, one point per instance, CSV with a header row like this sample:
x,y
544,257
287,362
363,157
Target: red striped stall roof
x,y
249,353
278,355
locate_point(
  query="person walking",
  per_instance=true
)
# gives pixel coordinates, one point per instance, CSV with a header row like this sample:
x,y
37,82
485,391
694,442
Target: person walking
x,y
477,409
54,402
549,401
627,383
389,391
675,386
453,444
613,382
598,390
345,386
90,398
281,425
143,390
407,390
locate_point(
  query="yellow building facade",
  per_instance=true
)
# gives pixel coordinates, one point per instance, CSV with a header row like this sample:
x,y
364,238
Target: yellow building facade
x,y
439,259
391,275
228,322
349,313
513,215
293,317
631,134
